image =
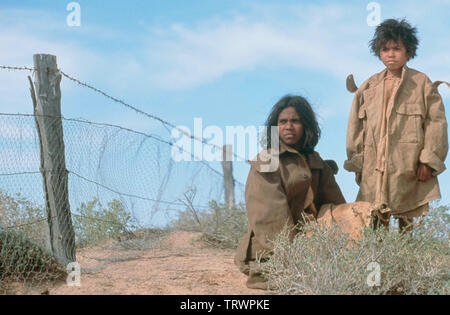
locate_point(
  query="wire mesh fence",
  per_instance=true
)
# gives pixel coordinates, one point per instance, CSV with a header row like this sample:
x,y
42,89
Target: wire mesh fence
x,y
123,188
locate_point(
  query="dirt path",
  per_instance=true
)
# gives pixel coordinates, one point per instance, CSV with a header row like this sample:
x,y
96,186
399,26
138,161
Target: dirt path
x,y
180,265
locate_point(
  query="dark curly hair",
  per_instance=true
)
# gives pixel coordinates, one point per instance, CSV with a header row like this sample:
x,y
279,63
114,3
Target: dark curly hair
x,y
311,129
392,29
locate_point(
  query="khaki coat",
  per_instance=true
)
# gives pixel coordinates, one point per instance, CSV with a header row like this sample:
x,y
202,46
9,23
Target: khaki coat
x,y
280,197
416,133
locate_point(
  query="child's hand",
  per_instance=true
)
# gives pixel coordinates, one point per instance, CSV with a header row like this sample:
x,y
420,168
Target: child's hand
x,y
358,178
424,172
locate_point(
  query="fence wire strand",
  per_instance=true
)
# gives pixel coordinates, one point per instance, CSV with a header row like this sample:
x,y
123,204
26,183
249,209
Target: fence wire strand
x,y
137,110
16,68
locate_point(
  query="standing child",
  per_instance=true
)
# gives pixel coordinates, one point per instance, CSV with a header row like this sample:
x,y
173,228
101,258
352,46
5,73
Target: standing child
x,y
397,131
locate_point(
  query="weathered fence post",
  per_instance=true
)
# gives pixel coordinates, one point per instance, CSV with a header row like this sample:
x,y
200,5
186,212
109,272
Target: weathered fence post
x,y
47,110
228,179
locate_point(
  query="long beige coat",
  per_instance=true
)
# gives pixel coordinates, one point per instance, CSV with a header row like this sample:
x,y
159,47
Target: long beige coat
x,y
416,132
276,198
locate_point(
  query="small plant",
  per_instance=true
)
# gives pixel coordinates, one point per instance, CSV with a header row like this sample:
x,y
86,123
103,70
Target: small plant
x,y
93,223
20,214
220,226
224,227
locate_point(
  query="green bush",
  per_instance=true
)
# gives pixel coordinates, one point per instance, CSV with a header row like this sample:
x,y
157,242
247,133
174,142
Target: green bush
x,y
22,215
93,223
220,227
328,262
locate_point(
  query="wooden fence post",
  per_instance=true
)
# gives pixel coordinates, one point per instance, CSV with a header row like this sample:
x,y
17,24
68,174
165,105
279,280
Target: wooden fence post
x,y
47,110
228,179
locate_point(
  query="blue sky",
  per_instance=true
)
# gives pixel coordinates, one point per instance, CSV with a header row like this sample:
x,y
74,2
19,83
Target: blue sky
x,y
227,62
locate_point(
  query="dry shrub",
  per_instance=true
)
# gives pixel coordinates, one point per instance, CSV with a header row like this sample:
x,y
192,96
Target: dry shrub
x,y
329,262
220,227
224,227
24,264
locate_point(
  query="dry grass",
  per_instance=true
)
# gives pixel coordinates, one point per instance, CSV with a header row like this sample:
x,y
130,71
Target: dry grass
x,y
328,262
220,227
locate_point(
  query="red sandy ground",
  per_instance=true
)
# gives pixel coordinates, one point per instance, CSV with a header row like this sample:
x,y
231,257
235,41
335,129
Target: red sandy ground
x,y
179,265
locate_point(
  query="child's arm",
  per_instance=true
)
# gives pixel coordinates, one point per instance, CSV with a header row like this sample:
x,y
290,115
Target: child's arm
x,y
355,135
435,147
267,206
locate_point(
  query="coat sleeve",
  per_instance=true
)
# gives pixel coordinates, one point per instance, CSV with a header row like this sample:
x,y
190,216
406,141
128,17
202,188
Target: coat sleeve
x,y
435,147
328,190
355,135
267,206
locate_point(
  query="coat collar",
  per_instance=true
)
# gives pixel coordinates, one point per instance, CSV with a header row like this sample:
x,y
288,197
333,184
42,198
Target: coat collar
x,y
379,77
313,159
285,148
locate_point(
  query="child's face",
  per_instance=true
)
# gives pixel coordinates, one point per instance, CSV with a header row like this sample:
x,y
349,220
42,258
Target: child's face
x,y
393,55
290,127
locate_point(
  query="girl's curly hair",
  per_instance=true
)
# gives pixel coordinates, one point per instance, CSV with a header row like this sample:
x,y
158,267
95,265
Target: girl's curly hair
x,y
392,29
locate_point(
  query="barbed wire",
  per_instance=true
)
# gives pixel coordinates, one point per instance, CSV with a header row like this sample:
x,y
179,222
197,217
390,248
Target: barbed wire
x,y
139,111
19,173
17,68
155,137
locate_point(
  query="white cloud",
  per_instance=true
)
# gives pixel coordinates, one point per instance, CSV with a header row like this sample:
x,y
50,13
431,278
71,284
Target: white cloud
x,y
331,38
190,55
